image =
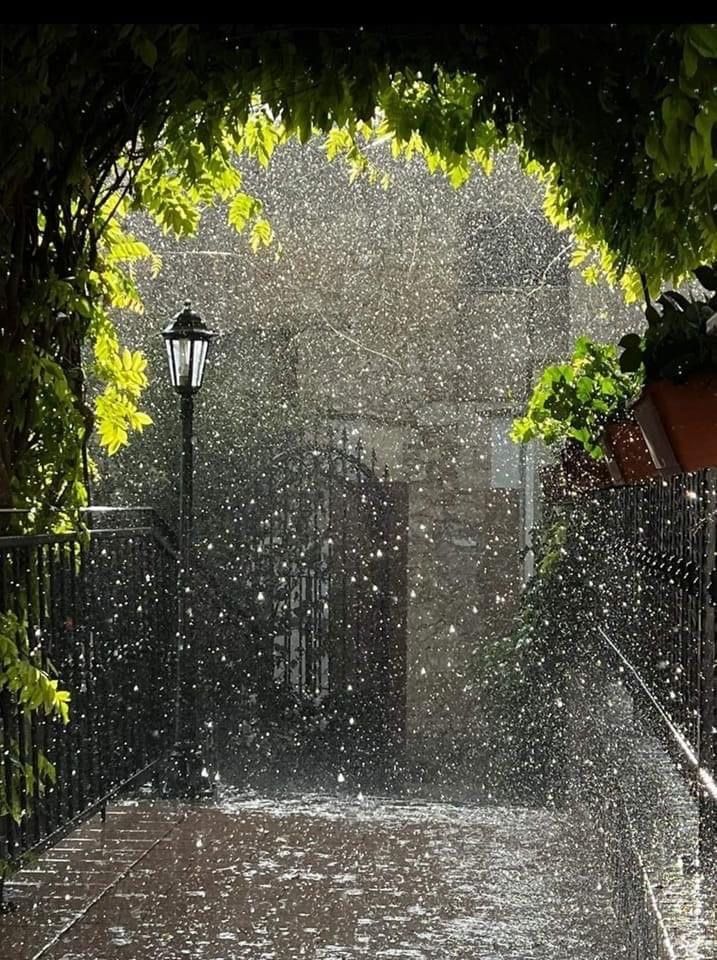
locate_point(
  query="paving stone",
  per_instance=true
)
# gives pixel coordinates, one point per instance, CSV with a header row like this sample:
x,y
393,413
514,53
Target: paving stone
x,y
327,879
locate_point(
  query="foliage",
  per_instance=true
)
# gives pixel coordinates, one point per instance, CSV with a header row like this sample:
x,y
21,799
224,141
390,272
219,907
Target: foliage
x,y
525,685
649,210
58,300
32,696
34,691
681,335
575,400
617,119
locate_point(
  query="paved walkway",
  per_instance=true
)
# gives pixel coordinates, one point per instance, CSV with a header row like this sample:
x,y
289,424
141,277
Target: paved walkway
x,y
314,878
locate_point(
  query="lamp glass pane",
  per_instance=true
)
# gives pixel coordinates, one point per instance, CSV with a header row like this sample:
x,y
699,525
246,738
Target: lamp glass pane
x,y
198,361
173,376
182,360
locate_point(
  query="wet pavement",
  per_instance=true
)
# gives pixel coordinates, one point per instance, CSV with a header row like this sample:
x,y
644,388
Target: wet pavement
x,y
313,877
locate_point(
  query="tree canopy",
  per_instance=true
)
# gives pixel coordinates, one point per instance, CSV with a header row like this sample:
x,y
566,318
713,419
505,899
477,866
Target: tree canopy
x,y
101,119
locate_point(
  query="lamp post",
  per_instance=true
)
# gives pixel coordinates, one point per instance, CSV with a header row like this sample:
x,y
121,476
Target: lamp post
x,y
187,339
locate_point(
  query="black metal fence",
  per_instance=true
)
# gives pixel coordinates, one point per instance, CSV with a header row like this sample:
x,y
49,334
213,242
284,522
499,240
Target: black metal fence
x,y
98,611
651,568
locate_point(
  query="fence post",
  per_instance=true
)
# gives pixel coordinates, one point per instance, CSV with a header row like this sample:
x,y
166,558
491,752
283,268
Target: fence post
x,y
707,804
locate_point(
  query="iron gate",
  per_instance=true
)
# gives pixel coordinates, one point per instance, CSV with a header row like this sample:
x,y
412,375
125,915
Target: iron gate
x,y
319,605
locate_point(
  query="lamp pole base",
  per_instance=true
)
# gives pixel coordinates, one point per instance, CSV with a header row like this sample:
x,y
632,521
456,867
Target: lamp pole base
x,y
187,777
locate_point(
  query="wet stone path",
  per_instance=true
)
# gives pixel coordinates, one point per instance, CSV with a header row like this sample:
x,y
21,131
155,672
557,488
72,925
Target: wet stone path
x,y
315,878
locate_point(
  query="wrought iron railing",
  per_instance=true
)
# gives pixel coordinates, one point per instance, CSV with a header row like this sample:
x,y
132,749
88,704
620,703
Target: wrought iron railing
x,y
650,553
98,610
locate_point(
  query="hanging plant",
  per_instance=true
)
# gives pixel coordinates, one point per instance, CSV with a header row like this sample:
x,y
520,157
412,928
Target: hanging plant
x,y
677,410
680,339
574,401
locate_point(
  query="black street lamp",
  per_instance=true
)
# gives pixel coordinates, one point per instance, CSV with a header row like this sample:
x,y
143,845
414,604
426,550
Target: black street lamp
x,y
187,339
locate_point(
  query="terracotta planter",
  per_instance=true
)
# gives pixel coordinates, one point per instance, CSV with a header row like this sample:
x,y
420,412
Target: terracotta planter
x,y
628,457
679,423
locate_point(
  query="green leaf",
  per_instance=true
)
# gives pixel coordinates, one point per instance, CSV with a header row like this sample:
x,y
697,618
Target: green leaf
x,y
707,276
262,234
145,49
703,36
242,210
690,59
631,341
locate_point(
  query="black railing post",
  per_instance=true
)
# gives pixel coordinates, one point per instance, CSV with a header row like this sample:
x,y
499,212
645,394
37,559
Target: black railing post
x,y
707,805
